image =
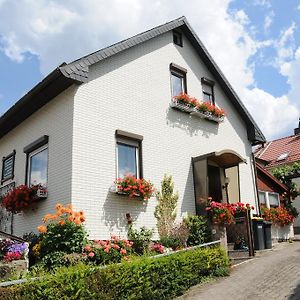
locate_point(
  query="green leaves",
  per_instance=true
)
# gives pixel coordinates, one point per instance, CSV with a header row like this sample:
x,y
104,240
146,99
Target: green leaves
x,y
165,211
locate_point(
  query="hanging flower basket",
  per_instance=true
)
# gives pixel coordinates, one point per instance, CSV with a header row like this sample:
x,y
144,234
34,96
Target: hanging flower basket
x,y
23,197
134,188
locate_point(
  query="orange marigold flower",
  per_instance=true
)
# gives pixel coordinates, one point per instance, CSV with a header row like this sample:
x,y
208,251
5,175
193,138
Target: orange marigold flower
x,y
77,221
42,229
47,217
61,222
58,206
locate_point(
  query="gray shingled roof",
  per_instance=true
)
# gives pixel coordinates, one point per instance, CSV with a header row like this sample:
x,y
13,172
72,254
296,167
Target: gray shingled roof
x,y
78,71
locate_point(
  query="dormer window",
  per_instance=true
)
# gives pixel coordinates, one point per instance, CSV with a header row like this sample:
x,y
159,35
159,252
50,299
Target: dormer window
x,y
208,90
177,38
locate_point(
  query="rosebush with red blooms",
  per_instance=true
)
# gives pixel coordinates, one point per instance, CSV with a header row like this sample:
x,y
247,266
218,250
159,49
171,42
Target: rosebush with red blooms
x,y
108,251
224,213
277,215
21,198
134,187
157,247
201,106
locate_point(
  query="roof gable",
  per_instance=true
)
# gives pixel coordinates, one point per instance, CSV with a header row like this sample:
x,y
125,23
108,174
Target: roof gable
x,y
273,151
78,72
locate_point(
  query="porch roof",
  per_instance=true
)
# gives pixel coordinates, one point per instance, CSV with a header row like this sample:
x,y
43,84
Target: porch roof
x,y
225,158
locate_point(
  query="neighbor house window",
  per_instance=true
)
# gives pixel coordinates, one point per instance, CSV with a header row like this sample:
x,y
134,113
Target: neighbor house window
x,y
178,80
129,154
177,38
208,90
37,162
269,199
262,198
273,199
8,166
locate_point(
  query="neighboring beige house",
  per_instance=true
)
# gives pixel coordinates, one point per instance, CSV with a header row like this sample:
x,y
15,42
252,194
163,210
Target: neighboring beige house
x,y
282,152
91,120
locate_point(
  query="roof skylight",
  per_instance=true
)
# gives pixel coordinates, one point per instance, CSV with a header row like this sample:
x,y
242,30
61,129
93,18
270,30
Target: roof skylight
x,y
283,156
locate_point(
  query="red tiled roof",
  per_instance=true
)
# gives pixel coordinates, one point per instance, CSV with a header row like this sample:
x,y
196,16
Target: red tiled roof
x,y
273,149
271,177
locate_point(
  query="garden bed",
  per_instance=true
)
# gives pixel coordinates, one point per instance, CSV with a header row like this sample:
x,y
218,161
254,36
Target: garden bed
x,y
146,278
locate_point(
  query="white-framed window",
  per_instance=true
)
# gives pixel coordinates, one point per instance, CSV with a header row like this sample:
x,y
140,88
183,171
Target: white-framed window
x,y
262,198
128,154
273,199
269,199
37,166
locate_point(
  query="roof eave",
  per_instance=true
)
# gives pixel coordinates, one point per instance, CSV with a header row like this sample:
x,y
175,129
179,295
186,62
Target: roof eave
x,y
38,96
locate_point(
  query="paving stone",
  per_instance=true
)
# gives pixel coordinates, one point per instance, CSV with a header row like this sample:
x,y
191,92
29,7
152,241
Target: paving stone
x,y
271,275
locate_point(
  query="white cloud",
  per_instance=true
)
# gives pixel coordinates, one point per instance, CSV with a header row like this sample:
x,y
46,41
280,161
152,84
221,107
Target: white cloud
x,y
58,31
265,3
268,20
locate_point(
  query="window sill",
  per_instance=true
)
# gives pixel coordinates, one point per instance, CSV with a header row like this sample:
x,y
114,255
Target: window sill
x,y
194,112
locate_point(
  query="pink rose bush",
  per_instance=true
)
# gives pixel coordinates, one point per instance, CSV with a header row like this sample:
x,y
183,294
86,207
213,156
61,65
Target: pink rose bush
x,y
103,252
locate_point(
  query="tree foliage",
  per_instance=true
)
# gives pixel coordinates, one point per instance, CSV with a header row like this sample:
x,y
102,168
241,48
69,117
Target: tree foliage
x,y
165,211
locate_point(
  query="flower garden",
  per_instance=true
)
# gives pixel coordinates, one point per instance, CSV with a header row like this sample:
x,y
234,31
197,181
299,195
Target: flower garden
x,y
70,266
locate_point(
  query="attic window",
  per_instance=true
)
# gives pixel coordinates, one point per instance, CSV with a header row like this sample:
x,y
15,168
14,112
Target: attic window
x,y
283,156
177,38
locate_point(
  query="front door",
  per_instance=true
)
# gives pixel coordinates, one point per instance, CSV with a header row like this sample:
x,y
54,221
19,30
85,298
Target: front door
x,y
214,183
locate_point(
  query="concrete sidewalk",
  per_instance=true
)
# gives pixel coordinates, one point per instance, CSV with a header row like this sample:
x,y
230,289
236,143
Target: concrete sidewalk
x,y
270,275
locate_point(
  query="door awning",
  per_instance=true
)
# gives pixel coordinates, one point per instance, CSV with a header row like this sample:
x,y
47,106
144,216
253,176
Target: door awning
x,y
225,158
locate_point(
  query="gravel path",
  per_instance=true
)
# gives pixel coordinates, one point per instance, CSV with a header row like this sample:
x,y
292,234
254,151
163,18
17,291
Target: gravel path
x,y
271,275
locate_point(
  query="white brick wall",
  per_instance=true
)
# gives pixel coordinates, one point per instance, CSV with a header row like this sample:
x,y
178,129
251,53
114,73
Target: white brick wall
x,y
55,120
131,91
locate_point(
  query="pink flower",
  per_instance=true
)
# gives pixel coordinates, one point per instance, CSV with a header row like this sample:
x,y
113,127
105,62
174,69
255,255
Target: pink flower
x,y
106,249
123,251
87,248
91,254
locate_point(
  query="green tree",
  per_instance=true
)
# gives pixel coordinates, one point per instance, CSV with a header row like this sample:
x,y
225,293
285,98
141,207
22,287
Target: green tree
x,y
165,211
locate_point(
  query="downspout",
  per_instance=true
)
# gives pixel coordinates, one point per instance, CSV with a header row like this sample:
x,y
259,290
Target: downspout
x,y
255,179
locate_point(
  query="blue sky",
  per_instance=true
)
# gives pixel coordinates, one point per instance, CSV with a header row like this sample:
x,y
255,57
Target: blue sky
x,y
255,43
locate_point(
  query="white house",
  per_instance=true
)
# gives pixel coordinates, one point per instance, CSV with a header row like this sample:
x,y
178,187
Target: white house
x,y
87,121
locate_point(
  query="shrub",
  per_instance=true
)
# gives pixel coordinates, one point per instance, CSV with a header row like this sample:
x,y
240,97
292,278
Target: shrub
x,y
141,238
165,211
107,252
199,231
62,234
149,278
177,237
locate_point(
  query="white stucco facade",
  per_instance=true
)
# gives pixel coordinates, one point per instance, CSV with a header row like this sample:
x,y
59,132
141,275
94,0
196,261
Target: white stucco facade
x,y
129,91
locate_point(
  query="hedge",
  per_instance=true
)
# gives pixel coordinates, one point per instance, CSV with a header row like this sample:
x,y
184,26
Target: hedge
x,y
149,278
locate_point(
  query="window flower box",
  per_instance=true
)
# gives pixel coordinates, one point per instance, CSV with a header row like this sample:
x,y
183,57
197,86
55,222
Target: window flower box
x,y
42,193
133,187
205,110
185,107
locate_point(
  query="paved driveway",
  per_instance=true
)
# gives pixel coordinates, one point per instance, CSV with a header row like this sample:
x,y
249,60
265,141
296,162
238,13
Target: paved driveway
x,y
272,275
